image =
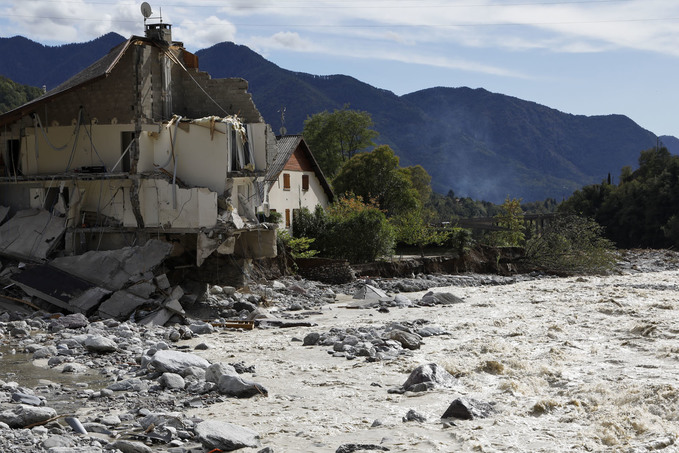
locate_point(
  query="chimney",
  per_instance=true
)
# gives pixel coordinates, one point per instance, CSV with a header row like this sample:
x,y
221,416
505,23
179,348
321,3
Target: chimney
x,y
159,32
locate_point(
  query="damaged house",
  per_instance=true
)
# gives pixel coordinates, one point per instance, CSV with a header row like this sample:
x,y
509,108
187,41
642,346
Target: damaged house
x,y
138,174
140,145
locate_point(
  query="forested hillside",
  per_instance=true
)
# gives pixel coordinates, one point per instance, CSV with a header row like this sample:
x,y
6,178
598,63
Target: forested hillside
x,y
479,144
13,95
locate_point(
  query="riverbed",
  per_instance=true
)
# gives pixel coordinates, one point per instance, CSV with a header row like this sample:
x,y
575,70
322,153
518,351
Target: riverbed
x,y
570,364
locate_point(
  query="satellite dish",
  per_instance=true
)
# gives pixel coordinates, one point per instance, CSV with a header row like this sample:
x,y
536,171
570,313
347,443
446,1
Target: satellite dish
x,y
146,10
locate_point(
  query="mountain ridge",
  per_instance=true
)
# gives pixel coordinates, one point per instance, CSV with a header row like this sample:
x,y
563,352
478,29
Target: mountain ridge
x,y
478,143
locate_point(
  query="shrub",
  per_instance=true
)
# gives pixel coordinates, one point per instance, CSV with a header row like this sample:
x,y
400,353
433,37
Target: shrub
x,y
569,245
298,247
357,231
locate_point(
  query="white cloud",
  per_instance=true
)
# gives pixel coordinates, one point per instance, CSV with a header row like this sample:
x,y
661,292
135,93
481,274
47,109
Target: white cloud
x,y
207,32
287,41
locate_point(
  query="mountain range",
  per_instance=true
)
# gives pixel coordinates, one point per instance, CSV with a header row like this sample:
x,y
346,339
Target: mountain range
x,y
477,143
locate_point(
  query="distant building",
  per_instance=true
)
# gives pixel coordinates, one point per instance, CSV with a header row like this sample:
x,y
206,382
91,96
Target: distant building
x,y
140,144
294,180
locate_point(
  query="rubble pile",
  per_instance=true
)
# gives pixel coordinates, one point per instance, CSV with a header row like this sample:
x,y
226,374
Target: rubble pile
x,y
141,386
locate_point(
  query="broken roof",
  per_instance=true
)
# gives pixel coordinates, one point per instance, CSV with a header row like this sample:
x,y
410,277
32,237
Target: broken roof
x,y
99,69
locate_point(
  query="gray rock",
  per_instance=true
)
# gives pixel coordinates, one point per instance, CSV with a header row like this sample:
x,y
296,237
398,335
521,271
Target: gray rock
x,y
431,331
228,290
44,352
244,305
75,368
225,436
201,328
24,398
55,441
142,289
24,415
432,298
111,420
428,376
215,371
468,409
351,448
407,340
311,339
87,449
74,321
129,446
175,361
413,416
100,344
172,381
129,385
402,301
239,387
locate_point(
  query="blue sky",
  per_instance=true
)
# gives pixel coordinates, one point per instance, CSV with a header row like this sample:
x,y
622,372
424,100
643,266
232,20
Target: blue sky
x,y
587,57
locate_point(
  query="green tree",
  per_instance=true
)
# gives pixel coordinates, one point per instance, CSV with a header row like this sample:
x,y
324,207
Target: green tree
x,y
510,219
376,175
13,94
412,228
640,210
421,181
336,137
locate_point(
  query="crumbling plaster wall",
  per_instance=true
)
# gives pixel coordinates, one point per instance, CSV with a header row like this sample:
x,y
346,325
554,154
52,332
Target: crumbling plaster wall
x,y
99,145
199,158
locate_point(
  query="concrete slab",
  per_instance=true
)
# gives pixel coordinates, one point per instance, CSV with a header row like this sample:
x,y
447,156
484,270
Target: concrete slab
x,y
54,286
4,212
158,318
31,234
112,269
89,300
370,292
121,305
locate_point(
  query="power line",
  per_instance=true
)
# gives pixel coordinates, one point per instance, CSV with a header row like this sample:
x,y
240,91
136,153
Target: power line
x,y
396,25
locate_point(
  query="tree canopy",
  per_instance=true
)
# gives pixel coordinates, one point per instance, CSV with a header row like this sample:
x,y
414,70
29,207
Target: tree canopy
x,y
641,211
336,137
376,175
13,94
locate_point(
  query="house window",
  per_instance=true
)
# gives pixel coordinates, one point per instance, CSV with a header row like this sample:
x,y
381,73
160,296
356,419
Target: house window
x,y
286,181
305,182
287,218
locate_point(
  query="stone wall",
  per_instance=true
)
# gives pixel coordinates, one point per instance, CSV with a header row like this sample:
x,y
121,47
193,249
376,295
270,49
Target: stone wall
x,y
334,272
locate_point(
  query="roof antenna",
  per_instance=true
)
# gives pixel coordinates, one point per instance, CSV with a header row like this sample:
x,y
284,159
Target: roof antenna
x,y
146,11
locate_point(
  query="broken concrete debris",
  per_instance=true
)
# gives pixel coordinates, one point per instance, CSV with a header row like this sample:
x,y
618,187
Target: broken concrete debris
x,y
31,234
114,269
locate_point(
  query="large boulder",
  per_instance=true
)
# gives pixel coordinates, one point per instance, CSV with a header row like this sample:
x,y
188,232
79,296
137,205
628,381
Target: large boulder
x,y
217,370
432,298
468,409
225,436
24,415
240,388
100,344
168,361
426,377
